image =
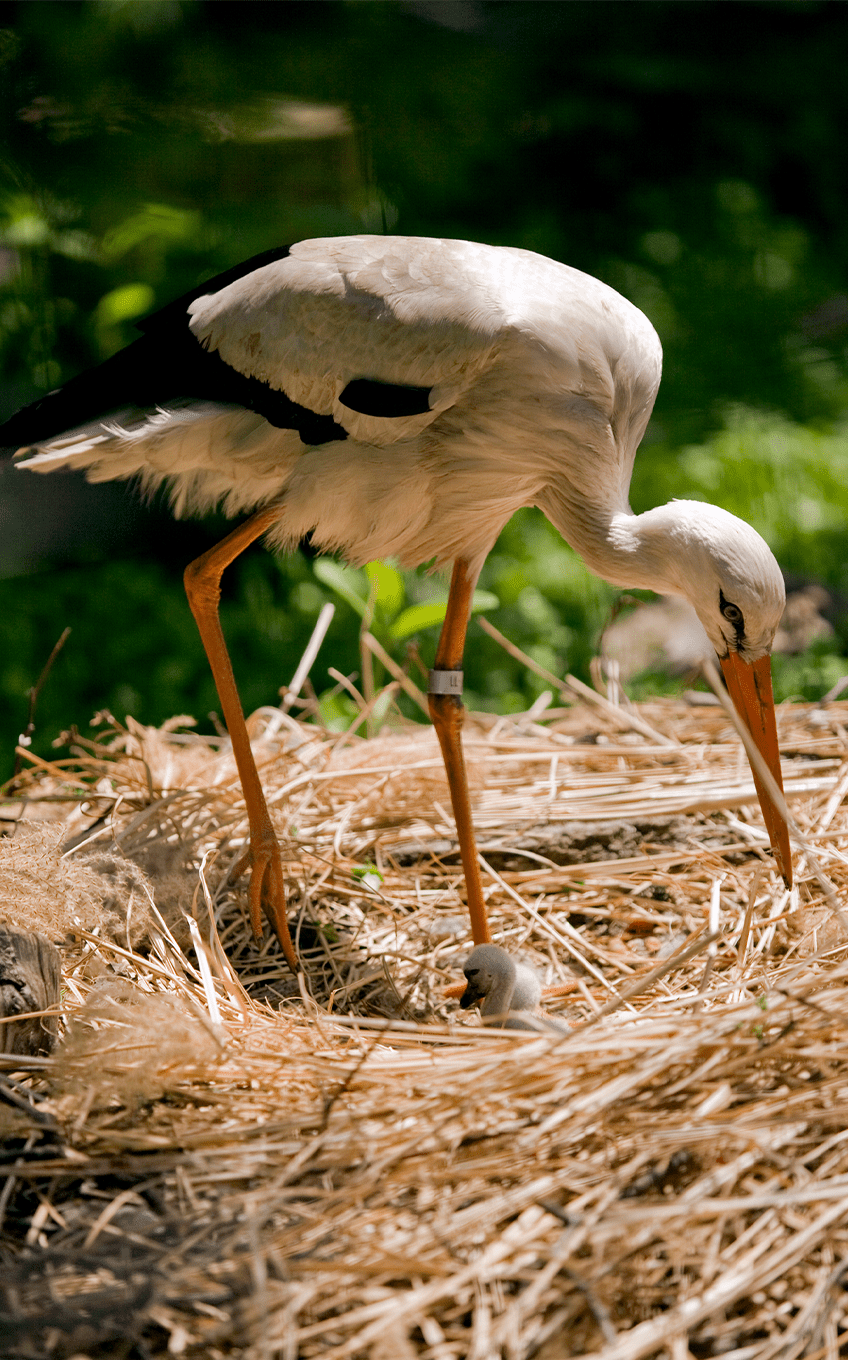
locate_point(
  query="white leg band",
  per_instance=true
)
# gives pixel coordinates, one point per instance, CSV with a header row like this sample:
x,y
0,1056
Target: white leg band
x,y
445,682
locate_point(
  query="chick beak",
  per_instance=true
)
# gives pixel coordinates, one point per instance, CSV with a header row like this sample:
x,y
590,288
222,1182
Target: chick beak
x,y
750,689
473,992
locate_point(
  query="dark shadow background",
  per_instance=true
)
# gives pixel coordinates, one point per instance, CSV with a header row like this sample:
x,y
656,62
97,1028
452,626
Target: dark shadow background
x,y
693,155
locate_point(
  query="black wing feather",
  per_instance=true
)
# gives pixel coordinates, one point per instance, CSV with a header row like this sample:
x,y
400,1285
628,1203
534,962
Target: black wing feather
x,y
371,397
166,365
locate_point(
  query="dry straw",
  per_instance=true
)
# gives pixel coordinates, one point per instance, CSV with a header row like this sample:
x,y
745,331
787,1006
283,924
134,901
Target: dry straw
x,y
221,1160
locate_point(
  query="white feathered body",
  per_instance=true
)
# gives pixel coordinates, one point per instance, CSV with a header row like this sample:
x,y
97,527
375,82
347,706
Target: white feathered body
x,y
540,377
537,382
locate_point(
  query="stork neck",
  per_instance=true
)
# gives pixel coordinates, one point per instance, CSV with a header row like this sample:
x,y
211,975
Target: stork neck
x,y
625,549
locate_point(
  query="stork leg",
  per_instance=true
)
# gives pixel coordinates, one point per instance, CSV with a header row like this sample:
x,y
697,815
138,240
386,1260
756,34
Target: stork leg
x,y
203,588
446,711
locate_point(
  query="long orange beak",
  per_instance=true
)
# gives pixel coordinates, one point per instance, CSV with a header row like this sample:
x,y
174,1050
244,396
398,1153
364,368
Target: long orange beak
x,y
750,689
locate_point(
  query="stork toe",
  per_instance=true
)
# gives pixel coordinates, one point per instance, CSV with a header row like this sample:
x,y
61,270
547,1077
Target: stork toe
x,y
266,890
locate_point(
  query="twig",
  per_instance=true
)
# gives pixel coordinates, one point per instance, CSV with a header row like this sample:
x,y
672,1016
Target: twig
x,y
25,738
407,685
319,632
623,718
642,984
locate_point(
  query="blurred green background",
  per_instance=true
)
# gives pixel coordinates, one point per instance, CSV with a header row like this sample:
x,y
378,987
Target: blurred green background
x,y
692,155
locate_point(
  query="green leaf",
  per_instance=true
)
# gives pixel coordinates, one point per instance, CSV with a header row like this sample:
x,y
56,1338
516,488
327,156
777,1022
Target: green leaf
x,y
155,222
27,231
416,618
420,616
483,600
388,583
345,581
365,870
124,303
369,876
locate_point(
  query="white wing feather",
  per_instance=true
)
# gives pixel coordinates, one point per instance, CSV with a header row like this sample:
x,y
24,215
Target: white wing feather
x,y
539,375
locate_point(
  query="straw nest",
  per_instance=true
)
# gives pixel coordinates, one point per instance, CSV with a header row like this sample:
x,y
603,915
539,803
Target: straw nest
x,y
220,1161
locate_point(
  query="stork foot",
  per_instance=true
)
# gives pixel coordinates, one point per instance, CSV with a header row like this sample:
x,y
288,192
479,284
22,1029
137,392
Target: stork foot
x,y
266,890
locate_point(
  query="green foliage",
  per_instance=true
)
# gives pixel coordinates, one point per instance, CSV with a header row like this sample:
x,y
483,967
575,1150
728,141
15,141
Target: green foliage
x,y
393,605
813,673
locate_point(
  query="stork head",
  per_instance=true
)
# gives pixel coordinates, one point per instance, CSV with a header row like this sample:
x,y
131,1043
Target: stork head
x,y
729,575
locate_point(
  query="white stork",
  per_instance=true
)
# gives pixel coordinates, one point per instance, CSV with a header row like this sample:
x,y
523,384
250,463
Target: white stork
x,y
403,397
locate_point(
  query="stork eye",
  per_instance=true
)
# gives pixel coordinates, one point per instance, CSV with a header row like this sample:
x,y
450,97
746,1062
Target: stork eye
x,y
733,614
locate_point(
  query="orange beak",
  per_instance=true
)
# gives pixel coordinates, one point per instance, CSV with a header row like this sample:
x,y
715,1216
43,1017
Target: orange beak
x,y
750,689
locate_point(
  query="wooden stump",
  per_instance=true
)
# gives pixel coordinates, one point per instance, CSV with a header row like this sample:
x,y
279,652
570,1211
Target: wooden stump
x,y
30,976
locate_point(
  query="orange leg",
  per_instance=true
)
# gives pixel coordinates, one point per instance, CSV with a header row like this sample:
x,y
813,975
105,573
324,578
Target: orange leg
x,y
446,711
203,588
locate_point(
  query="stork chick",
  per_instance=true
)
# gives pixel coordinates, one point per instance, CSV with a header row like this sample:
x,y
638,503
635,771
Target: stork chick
x,y
507,992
